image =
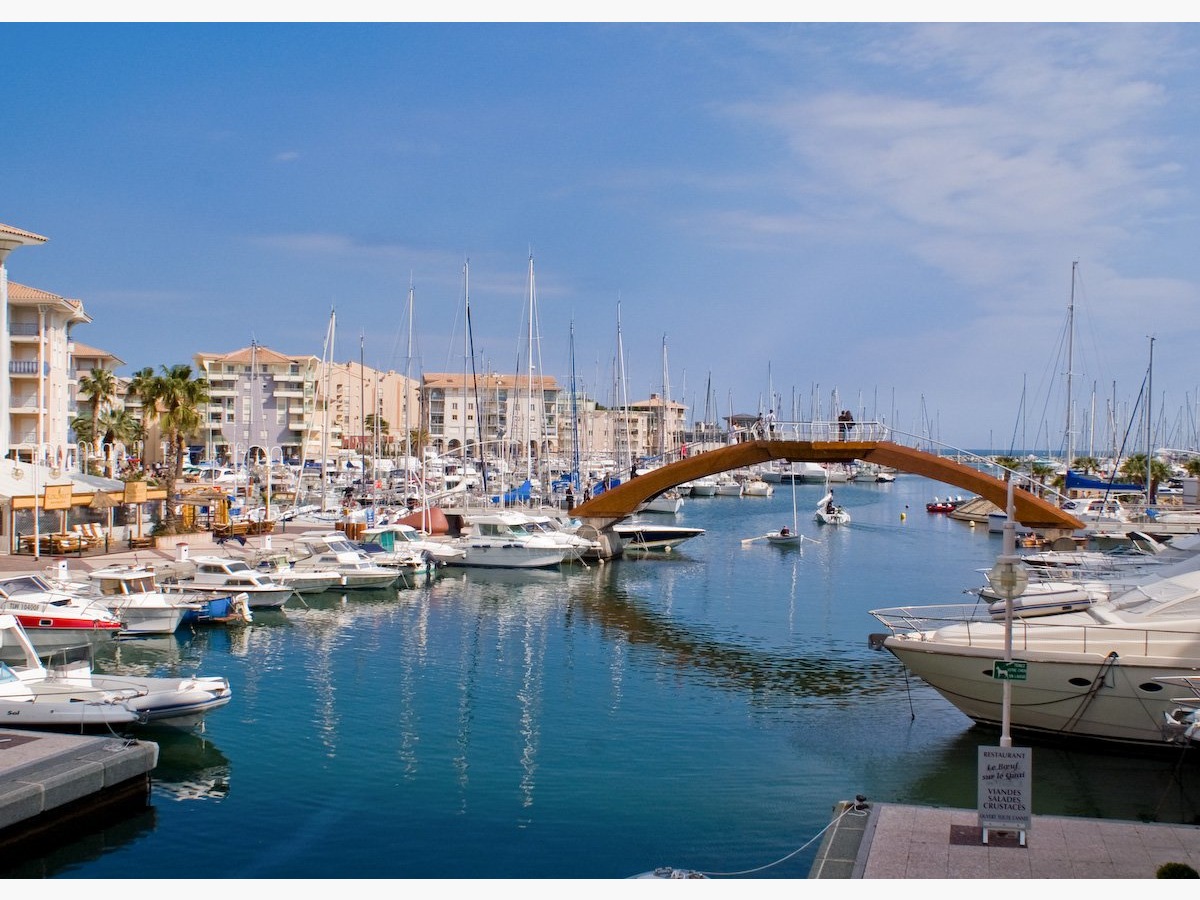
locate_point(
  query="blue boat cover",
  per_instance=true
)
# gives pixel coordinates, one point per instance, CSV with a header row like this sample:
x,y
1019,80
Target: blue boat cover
x,y
1076,481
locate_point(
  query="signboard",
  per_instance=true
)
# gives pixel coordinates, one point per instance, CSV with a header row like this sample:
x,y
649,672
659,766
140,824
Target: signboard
x,y
1012,670
1005,780
135,492
58,496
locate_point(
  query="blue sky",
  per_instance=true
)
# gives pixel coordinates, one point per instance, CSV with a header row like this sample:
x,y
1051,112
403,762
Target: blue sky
x,y
885,211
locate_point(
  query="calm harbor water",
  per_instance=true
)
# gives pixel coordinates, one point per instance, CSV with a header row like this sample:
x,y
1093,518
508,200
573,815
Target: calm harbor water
x,y
703,710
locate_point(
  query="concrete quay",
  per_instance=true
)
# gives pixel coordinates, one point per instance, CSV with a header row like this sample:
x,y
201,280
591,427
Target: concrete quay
x,y
49,778
894,841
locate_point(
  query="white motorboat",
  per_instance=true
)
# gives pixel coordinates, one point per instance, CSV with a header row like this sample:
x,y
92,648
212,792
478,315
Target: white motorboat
x,y
398,536
302,581
705,486
55,620
501,540
228,576
331,550
669,502
1101,672
73,697
132,594
1043,598
577,545
1093,511
651,537
829,513
757,487
728,486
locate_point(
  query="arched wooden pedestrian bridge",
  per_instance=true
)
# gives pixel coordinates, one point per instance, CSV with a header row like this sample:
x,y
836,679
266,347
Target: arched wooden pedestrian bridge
x,y
622,501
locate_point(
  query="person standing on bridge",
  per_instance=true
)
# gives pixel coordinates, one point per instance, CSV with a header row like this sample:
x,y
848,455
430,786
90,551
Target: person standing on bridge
x,y
771,420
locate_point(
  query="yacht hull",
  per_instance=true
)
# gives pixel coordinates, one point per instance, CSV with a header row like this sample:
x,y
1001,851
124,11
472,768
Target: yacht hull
x,y
1065,695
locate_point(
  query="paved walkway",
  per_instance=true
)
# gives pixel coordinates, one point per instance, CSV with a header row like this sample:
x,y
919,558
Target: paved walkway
x,y
870,840
198,545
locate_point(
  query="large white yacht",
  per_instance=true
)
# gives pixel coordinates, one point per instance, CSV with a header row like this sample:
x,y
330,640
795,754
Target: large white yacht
x,y
502,540
332,550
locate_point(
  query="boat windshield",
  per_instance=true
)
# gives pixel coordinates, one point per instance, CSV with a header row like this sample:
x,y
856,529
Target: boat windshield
x,y
26,584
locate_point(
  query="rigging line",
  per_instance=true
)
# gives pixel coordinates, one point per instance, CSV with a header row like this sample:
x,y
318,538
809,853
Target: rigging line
x,y
1098,682
852,809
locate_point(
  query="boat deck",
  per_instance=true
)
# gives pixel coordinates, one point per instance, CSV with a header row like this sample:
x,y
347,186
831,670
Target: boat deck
x,y
885,840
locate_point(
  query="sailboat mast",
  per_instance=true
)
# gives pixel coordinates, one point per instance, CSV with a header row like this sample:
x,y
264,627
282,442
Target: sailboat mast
x,y
1070,364
362,408
1149,407
327,362
623,393
529,382
407,393
575,485
666,389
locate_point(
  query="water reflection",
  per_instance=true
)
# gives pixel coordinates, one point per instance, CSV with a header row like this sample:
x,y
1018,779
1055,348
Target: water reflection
x,y
190,767
605,597
74,845
1067,780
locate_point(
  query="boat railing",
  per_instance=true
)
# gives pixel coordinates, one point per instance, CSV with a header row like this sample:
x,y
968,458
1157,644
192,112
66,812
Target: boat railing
x,y
978,628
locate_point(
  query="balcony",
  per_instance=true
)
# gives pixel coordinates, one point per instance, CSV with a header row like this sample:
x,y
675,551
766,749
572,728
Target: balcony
x,y
27,367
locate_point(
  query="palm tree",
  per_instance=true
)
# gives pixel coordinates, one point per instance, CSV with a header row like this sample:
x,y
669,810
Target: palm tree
x,y
369,424
173,398
120,426
1192,466
1086,464
1134,470
1010,464
1040,471
99,387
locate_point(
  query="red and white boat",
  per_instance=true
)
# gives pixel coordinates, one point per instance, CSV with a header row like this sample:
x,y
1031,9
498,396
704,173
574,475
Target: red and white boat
x,y
55,620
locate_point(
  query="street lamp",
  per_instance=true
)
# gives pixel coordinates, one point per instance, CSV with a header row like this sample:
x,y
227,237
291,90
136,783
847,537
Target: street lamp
x,y
1009,580
55,471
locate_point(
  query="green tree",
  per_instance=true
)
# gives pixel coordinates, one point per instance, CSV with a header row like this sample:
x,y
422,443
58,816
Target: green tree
x,y
1192,466
369,424
1085,464
99,388
1010,464
1133,470
174,398
120,426
1040,472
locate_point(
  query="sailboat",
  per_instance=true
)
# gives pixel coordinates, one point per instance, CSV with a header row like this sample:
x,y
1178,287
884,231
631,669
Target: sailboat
x,y
828,513
788,537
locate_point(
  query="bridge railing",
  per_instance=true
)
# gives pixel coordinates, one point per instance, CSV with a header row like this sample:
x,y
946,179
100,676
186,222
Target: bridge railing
x,y
816,431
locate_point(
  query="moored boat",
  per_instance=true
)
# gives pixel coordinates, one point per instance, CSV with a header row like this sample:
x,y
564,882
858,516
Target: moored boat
x,y
56,621
71,696
649,536
1095,673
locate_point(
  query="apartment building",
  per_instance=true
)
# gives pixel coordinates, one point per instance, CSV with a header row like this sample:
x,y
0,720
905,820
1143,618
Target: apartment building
x,y
40,385
368,409
511,415
259,398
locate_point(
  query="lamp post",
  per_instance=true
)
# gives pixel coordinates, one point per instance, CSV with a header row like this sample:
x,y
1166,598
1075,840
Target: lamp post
x,y
38,457
1009,579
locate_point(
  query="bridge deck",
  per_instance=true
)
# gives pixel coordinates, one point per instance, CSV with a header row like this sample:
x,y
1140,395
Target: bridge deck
x,y
622,501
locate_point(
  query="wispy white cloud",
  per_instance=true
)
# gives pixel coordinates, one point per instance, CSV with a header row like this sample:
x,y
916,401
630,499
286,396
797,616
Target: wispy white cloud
x,y
1034,135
